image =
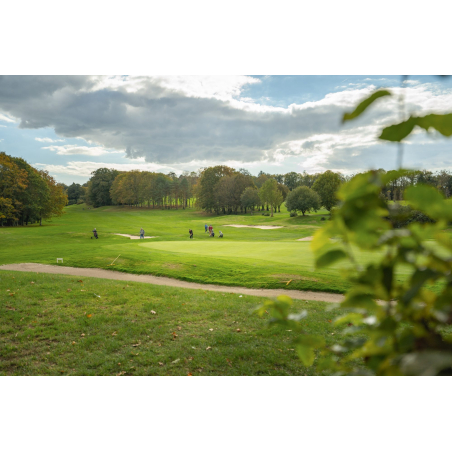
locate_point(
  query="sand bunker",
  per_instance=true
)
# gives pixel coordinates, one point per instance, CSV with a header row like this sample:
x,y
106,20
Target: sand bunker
x,y
251,226
135,237
305,239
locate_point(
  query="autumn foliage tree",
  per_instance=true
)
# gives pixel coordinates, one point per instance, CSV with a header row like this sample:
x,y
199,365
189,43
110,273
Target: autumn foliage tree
x,y
26,194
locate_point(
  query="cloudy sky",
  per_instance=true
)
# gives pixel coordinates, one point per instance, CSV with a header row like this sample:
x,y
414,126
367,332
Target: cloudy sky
x,y
72,125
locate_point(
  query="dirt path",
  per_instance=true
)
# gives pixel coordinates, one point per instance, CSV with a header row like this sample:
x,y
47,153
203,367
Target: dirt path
x,y
162,281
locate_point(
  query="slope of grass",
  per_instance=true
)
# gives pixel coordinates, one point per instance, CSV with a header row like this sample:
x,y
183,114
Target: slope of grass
x,y
60,325
244,257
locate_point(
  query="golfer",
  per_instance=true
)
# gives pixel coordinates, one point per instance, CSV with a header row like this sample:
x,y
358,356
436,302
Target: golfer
x,y
95,233
191,233
141,233
220,235
205,227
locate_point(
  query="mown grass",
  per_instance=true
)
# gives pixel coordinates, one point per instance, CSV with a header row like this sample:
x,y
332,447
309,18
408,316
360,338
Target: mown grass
x,y
256,258
61,325
244,257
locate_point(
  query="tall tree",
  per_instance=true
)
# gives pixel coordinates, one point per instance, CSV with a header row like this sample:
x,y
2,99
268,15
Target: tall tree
x,y
303,199
209,178
74,193
250,198
13,182
99,187
56,201
326,186
35,197
292,180
284,192
270,194
184,187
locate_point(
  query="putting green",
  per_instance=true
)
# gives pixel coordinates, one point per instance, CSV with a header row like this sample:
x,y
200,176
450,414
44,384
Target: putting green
x,y
296,253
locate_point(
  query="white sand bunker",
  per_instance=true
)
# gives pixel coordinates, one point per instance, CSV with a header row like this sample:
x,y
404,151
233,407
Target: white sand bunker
x,y
305,239
135,237
251,226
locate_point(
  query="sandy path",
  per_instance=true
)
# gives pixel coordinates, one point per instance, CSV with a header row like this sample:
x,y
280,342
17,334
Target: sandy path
x,y
136,237
252,226
162,281
305,239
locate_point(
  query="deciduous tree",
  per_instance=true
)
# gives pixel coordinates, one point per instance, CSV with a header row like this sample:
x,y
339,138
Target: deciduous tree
x,y
303,199
326,186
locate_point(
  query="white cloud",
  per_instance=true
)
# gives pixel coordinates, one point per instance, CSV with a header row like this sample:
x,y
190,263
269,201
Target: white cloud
x,y
86,168
47,140
202,86
74,149
6,118
180,119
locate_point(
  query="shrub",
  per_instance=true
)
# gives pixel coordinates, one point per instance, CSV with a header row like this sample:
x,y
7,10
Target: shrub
x,y
293,214
400,216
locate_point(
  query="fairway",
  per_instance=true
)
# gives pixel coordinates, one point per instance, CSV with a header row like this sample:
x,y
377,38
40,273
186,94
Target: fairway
x,y
249,257
284,252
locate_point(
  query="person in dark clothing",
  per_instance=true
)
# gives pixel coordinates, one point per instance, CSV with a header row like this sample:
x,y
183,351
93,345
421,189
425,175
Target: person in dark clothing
x,y
95,233
191,233
205,227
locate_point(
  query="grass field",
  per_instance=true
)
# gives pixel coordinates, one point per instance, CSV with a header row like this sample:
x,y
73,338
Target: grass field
x,y
54,324
244,257
60,325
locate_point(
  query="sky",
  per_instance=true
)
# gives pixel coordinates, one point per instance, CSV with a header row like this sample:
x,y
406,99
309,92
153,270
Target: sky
x,y
72,125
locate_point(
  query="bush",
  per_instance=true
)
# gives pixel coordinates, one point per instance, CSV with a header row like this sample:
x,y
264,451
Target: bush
x,y
400,216
265,214
293,214
322,219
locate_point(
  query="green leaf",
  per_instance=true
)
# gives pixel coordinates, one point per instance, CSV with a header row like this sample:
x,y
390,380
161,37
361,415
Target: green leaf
x,y
429,200
442,123
359,300
306,354
310,340
398,132
285,299
330,257
365,104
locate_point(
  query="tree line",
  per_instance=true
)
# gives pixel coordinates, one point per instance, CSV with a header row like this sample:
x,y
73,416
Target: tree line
x,y
140,188
218,189
27,195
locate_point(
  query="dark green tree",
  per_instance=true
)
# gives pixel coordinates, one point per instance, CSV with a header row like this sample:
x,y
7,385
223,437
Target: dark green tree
x,y
100,185
250,198
74,193
326,186
206,196
303,199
